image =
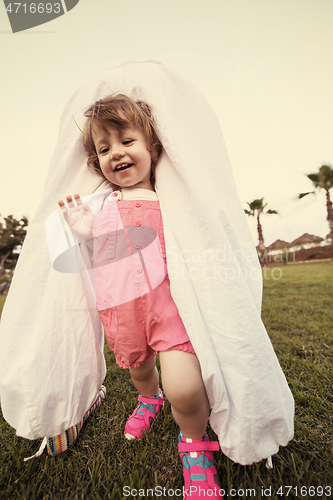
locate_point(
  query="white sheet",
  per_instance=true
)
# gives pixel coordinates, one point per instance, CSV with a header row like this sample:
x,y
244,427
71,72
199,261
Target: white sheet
x,y
51,362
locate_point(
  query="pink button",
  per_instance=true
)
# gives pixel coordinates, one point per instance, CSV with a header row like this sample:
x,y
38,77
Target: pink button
x,y
137,223
115,195
138,205
139,270
137,246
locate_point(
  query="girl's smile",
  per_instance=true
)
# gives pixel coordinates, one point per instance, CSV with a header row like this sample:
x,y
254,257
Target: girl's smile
x,y
123,156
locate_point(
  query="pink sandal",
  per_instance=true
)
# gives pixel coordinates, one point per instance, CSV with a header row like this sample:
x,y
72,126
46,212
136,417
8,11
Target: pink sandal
x,y
143,416
199,472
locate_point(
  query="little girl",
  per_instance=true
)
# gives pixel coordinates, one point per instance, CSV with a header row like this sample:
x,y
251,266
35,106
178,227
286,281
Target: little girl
x,y
204,323
123,147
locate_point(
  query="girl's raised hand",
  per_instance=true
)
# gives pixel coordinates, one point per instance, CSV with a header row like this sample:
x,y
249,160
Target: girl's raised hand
x,y
78,216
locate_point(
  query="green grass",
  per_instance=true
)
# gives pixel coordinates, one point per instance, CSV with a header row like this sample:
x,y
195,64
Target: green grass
x,y
297,311
2,301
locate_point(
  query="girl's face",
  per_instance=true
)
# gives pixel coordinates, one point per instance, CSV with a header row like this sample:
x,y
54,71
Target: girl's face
x,y
123,156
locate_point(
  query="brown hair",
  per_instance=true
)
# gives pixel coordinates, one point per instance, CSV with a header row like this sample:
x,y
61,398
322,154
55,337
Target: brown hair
x,y
120,111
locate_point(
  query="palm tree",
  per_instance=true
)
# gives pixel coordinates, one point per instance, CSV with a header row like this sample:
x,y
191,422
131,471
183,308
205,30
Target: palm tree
x,y
323,179
257,208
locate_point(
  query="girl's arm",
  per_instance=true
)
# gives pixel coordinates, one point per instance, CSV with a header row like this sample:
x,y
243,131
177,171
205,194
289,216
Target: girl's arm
x,y
79,218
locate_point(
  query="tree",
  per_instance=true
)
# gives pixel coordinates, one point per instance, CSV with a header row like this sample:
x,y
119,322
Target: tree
x,y
323,179
257,208
12,234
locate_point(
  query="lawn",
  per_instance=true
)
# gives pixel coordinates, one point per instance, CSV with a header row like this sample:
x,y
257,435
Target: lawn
x,y
2,301
298,313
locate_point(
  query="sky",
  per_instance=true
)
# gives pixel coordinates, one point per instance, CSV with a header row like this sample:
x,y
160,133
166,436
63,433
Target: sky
x,y
265,66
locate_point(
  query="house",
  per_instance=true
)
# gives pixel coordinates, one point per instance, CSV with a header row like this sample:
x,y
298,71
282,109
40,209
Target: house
x,y
305,241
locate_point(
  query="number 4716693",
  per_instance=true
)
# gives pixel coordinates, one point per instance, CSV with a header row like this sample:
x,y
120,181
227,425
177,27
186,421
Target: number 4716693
x,y
33,8
305,491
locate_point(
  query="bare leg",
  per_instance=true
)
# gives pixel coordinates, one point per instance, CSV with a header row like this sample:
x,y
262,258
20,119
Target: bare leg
x,y
146,379
184,388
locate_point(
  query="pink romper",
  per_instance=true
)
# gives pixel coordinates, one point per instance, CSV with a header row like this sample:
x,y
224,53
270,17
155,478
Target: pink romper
x,y
132,285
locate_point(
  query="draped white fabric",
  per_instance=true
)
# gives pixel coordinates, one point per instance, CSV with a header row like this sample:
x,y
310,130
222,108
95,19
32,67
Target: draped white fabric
x,y
51,361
